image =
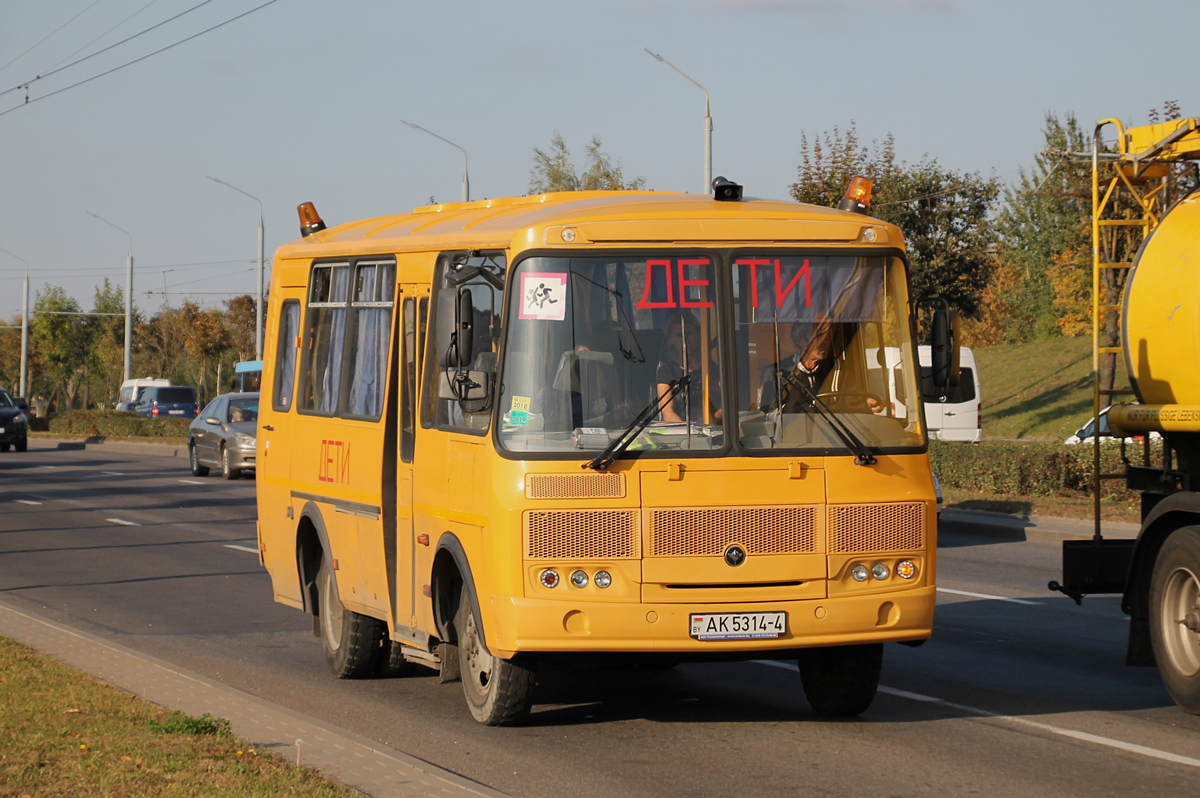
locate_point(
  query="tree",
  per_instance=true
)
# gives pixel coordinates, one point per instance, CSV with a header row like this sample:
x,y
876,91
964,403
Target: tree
x,y
61,340
240,319
1046,216
106,356
944,215
553,171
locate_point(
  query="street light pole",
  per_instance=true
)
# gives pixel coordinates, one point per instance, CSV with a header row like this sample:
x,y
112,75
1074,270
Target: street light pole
x,y
258,300
24,325
127,371
708,127
466,185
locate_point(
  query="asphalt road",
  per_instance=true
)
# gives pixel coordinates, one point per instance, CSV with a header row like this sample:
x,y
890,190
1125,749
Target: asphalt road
x,y
1020,693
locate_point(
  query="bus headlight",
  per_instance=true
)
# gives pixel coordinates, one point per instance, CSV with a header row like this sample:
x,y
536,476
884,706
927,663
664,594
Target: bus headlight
x,y
860,573
880,571
579,579
550,578
602,579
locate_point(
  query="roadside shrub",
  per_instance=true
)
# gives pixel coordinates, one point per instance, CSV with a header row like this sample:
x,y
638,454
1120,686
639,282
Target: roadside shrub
x,y
113,424
183,723
1013,468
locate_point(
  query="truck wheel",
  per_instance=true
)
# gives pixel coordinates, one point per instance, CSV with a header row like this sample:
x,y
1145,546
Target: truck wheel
x,y
840,681
352,642
197,469
1175,616
228,471
498,691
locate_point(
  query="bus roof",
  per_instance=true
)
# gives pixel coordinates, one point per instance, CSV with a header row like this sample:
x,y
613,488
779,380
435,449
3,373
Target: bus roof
x,y
610,218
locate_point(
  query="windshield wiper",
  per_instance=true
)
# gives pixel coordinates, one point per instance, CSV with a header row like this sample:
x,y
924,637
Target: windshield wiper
x,y
862,455
626,438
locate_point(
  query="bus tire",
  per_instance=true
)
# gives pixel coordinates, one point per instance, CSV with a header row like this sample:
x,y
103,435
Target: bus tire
x,y
841,681
197,469
498,691
1175,616
352,642
392,664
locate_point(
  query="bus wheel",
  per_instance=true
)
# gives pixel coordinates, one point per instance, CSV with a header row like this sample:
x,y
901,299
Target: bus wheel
x,y
392,664
1175,616
351,641
841,680
498,691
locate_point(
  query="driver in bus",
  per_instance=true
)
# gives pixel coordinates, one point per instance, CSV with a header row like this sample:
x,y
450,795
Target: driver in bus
x,y
809,365
683,342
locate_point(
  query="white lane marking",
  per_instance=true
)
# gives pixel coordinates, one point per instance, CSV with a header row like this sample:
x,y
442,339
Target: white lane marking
x,y
1108,742
26,501
46,466
114,473
192,482
241,548
122,521
988,596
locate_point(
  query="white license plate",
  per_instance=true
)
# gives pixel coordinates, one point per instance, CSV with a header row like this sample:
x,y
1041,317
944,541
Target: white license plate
x,y
738,625
174,412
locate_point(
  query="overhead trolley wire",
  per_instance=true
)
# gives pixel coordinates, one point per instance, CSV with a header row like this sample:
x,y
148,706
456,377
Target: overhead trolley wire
x,y
57,69
134,61
31,47
102,35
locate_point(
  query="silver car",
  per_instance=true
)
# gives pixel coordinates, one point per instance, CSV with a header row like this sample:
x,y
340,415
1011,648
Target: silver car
x,y
224,435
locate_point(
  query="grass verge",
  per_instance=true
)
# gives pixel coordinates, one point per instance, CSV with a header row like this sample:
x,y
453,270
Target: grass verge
x,y
1077,506
63,733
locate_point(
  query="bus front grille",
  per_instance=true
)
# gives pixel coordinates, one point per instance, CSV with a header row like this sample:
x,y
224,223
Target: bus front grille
x,y
870,528
705,531
575,486
582,534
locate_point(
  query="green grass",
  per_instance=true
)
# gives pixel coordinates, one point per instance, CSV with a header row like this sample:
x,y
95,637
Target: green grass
x,y
1041,389
64,734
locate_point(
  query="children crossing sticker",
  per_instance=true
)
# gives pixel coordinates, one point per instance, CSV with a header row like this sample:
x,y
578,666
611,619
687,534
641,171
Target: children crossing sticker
x,y
543,296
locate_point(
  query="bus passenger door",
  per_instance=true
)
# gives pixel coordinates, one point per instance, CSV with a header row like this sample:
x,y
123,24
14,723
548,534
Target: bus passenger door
x,y
404,577
277,524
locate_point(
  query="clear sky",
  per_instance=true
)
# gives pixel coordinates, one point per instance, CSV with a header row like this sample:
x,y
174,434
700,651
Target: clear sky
x,y
302,100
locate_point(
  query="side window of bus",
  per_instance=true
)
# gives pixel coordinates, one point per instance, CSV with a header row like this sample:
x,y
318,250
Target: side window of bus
x,y
324,337
371,321
461,355
285,356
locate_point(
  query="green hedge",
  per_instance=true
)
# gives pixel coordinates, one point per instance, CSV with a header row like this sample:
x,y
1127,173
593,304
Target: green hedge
x,y
113,424
1030,469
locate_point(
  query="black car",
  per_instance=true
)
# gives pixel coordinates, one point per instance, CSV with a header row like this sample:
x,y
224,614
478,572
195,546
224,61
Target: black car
x,y
14,426
163,401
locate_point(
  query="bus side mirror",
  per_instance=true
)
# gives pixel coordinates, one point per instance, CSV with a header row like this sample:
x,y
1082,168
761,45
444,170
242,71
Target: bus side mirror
x,y
945,348
463,337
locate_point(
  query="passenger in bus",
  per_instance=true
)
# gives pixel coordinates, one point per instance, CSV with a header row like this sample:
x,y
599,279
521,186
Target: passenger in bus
x,y
809,366
683,338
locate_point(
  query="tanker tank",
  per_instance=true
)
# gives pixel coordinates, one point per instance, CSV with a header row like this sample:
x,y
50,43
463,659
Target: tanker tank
x,y
1161,328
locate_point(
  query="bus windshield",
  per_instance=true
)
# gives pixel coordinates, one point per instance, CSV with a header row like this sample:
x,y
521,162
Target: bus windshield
x,y
593,341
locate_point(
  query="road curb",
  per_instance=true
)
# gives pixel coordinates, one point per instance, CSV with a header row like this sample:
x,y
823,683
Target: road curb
x,y
93,442
1035,528
367,765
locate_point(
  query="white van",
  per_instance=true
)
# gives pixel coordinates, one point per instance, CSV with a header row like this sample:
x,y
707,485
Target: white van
x,y
957,416
131,388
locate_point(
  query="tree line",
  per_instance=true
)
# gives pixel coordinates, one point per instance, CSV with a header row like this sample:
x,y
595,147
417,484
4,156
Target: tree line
x,y
77,356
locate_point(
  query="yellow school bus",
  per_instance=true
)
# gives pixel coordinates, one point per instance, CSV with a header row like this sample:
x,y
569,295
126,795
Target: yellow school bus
x,y
646,426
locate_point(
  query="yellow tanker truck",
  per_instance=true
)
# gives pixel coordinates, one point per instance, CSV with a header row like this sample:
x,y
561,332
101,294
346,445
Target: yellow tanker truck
x,y
1145,188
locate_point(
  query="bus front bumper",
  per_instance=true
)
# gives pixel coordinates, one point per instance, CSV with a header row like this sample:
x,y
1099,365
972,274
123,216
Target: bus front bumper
x,y
524,625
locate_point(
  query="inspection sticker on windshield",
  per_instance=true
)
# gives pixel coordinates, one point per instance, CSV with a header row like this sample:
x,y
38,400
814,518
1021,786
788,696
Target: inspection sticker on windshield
x,y
738,625
543,296
518,413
